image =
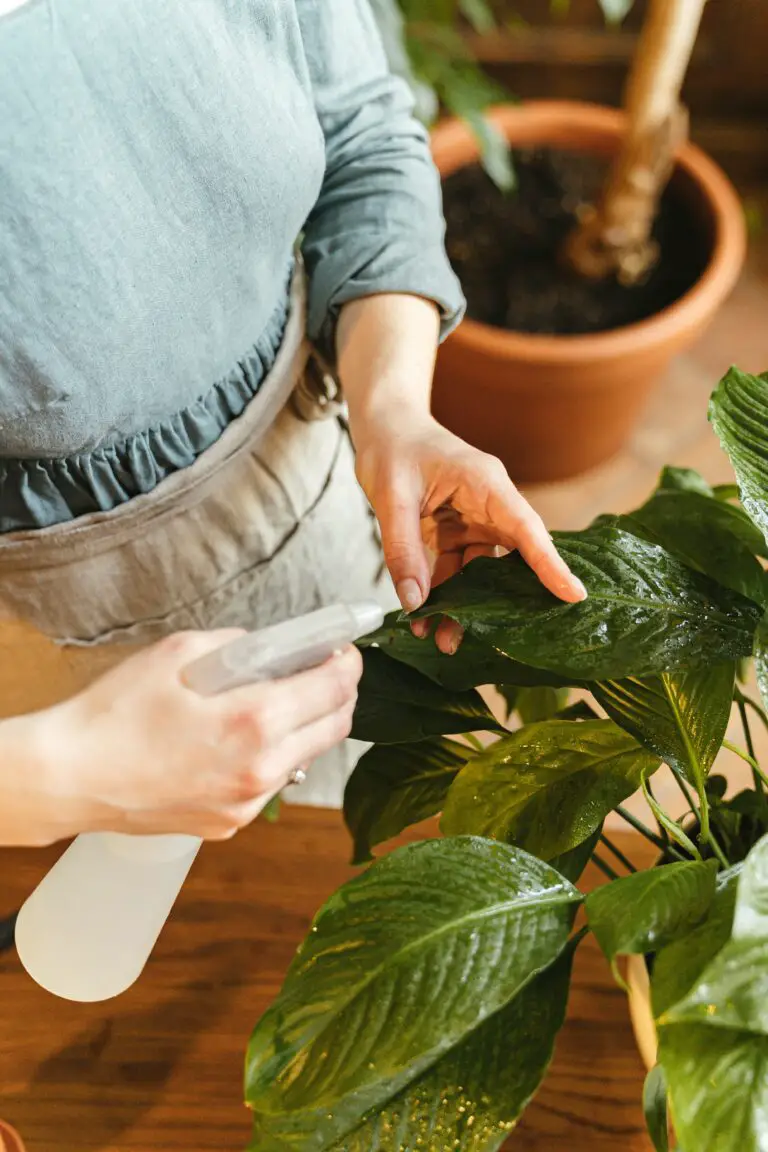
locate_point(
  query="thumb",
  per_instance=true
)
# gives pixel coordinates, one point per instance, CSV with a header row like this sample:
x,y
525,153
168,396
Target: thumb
x,y
398,508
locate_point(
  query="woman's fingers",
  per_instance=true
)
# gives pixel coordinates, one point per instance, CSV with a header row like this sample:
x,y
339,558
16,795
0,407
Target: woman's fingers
x,y
267,714
399,514
518,526
298,749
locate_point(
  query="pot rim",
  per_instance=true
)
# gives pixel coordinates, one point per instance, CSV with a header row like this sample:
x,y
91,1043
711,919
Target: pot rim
x,y
550,118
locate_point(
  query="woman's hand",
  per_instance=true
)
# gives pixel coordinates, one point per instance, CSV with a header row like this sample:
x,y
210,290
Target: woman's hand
x,y
139,752
426,486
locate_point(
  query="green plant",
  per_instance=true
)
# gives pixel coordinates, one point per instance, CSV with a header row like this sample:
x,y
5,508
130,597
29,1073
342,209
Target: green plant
x,y
422,1009
425,45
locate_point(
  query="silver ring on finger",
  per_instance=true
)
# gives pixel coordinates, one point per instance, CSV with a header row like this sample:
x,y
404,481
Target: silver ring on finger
x,y
297,776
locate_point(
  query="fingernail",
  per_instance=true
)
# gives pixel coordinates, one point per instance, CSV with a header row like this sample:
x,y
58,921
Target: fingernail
x,y
409,595
580,588
421,628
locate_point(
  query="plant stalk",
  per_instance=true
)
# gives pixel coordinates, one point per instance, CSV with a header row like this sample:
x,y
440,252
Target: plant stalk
x,y
615,237
756,769
646,832
757,775
604,867
758,711
617,853
670,826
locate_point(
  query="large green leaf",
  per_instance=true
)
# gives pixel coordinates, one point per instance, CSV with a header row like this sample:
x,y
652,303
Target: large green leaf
x,y
750,920
739,414
399,966
396,704
681,716
643,912
646,611
678,966
714,1042
396,785
474,665
471,1099
761,658
717,539
718,1083
548,786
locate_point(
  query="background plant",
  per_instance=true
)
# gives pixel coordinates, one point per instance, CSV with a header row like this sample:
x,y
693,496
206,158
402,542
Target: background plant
x,y
422,1009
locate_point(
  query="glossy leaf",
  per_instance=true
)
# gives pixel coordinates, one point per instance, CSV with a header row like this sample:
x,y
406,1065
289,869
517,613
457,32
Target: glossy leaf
x,y
679,965
761,658
646,612
470,1100
714,1042
373,998
643,912
655,1108
750,921
474,665
547,787
715,538
681,716
739,414
718,1085
396,785
396,705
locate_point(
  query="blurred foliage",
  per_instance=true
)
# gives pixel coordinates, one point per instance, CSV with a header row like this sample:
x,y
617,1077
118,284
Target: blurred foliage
x,y
425,45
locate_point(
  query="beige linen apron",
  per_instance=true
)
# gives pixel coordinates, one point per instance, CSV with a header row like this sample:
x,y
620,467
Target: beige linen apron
x,y
267,524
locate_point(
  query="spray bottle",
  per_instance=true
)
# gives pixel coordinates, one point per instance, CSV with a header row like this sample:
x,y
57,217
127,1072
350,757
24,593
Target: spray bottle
x,y
88,929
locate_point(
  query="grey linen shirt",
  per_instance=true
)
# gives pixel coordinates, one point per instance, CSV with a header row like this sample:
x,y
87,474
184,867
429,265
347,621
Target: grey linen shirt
x,y
158,160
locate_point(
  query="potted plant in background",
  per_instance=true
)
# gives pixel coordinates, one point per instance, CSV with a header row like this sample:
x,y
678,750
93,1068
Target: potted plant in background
x,y
422,1009
618,245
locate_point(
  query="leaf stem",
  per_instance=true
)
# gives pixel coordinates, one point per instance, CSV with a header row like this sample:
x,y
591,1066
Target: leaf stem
x,y
757,775
474,741
758,711
757,770
604,867
706,835
646,832
617,853
673,829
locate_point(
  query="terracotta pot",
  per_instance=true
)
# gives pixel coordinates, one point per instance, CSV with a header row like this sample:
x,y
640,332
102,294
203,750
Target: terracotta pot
x,y
553,406
10,1141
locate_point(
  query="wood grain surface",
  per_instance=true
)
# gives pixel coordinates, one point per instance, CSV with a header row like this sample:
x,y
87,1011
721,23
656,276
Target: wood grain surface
x,y
160,1068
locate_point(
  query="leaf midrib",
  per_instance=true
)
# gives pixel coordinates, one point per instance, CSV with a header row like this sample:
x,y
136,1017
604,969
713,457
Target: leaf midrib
x,y
395,958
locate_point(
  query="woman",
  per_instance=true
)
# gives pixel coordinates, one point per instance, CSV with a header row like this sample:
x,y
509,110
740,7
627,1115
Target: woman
x,y
173,462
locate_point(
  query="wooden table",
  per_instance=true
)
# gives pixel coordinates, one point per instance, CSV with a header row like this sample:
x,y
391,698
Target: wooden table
x,y
160,1068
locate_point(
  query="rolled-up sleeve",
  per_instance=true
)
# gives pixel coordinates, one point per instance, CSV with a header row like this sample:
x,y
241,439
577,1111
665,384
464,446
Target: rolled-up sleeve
x,y
378,222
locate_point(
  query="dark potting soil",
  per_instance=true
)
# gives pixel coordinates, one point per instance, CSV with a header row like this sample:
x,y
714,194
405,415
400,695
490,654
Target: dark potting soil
x,y
505,249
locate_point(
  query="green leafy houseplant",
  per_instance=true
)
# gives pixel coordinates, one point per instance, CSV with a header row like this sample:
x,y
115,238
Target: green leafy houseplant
x,y
422,1009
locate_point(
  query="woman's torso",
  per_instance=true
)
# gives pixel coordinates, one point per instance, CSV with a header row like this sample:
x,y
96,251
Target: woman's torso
x,y
157,161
